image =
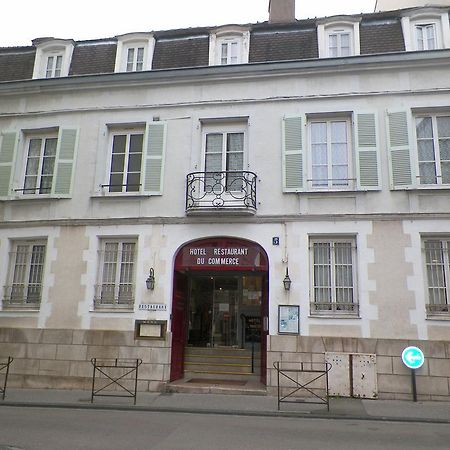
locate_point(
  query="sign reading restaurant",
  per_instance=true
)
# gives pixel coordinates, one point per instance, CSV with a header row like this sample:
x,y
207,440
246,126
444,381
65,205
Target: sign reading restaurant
x,y
222,253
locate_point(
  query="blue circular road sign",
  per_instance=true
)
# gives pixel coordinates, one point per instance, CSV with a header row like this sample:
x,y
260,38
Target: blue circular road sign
x,y
413,357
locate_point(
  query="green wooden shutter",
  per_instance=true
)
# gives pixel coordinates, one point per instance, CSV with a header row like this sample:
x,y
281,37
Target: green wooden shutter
x,y
154,158
399,151
367,152
65,162
293,145
7,156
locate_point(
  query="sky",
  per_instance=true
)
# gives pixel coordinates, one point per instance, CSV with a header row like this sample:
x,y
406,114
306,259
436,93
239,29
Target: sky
x,y
25,20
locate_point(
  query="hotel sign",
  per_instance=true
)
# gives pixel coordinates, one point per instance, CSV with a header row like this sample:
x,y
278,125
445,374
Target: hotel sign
x,y
221,254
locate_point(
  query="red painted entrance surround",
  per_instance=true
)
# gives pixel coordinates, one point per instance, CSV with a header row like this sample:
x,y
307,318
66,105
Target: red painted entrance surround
x,y
221,254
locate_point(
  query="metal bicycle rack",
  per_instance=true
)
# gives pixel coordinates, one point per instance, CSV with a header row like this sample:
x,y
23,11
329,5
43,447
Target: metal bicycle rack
x,y
4,370
114,371
315,371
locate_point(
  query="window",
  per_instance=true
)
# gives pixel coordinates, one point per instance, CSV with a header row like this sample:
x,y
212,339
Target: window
x,y
54,64
134,52
229,51
53,57
47,165
229,45
116,274
339,43
224,150
338,38
426,29
26,274
433,149
135,162
126,161
333,277
438,275
426,36
135,59
40,165
330,153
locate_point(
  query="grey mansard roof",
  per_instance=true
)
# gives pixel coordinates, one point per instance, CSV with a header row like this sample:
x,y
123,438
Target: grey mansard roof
x,y
379,33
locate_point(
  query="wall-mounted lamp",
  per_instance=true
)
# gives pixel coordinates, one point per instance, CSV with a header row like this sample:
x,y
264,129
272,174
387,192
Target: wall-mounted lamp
x,y
150,281
287,281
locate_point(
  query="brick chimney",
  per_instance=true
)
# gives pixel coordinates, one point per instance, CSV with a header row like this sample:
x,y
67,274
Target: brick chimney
x,y
281,11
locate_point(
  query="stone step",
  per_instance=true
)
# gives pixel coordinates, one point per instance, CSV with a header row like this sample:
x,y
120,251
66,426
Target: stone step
x,y
221,374
218,351
218,366
218,386
220,359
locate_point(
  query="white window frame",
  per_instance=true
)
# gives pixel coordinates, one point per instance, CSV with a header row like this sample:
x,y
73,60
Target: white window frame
x,y
225,130
436,149
127,131
135,41
338,26
421,31
424,17
43,136
437,308
229,35
102,300
52,48
23,276
54,65
331,184
334,307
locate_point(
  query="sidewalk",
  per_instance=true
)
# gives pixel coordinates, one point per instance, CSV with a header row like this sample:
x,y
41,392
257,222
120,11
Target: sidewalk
x,y
340,408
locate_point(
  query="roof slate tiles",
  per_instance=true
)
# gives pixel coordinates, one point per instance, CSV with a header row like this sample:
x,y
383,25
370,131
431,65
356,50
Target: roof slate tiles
x,y
177,53
381,38
182,48
282,46
93,59
17,65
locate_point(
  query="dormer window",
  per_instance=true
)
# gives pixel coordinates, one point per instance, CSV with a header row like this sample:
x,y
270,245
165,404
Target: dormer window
x,y
54,64
229,45
426,29
53,57
134,52
338,38
229,51
339,43
135,59
426,36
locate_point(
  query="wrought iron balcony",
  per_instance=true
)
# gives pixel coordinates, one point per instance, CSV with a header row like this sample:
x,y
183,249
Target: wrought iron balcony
x,y
22,296
232,191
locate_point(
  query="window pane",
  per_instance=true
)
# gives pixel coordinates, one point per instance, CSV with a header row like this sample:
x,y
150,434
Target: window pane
x,y
214,143
443,126
34,149
136,141
115,182
133,182
427,172
424,128
425,150
134,162
50,147
436,271
119,142
235,142
213,163
445,169
224,54
117,163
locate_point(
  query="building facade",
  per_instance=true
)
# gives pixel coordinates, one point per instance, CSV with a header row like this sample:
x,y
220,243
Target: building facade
x,y
156,189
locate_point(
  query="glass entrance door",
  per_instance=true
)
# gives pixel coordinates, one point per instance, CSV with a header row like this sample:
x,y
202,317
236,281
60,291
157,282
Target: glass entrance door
x,y
224,310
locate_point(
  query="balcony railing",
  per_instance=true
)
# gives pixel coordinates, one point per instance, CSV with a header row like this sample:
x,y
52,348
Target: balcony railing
x,y
114,296
319,308
22,296
443,309
212,191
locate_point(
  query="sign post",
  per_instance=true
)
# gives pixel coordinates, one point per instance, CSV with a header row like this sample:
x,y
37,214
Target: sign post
x,y
413,358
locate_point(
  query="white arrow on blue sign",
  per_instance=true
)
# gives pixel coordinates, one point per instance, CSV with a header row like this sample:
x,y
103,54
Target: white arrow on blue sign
x,y
413,357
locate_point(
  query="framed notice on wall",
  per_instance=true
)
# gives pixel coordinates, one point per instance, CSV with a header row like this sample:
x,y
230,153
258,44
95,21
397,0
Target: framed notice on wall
x,y
288,319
